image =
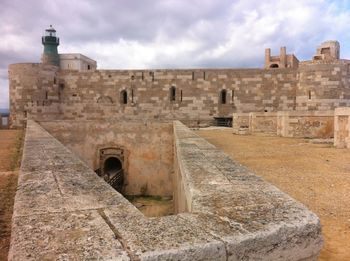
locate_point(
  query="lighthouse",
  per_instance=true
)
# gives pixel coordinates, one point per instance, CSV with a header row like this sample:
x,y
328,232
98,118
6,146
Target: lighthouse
x,y
50,42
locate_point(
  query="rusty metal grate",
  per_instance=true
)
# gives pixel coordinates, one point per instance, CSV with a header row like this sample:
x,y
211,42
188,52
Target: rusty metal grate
x,y
117,180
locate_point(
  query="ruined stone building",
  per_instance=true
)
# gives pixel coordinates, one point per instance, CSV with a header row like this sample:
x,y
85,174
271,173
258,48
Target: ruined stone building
x,y
94,136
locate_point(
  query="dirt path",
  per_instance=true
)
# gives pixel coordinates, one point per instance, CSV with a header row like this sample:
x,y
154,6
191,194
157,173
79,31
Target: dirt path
x,y
316,175
10,143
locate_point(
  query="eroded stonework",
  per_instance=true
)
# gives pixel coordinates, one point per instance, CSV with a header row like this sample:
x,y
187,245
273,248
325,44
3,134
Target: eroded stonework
x,y
64,211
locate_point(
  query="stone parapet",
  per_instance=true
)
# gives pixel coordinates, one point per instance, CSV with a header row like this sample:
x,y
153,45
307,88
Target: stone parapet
x,y
64,211
302,124
253,218
305,124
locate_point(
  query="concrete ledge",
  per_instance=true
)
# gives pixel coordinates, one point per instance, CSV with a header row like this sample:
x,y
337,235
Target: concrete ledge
x,y
64,211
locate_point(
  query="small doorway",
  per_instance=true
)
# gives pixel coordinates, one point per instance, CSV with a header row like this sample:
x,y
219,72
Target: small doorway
x,y
113,173
112,167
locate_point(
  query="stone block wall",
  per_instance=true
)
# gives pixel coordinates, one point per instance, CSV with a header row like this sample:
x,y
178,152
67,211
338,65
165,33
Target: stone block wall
x,y
197,92
264,122
147,146
33,91
306,124
98,94
323,85
342,128
193,96
241,123
254,122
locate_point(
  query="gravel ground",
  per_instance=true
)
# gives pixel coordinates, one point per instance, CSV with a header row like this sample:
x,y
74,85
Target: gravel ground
x,y
317,175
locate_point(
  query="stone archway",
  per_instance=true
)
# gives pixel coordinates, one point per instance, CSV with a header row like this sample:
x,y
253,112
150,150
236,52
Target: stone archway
x,y
112,167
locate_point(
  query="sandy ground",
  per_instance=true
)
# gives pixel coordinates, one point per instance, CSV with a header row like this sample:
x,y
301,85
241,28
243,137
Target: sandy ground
x,y
317,175
9,155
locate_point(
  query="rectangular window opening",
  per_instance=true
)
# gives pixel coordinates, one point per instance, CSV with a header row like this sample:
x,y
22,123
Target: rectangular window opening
x,y
173,93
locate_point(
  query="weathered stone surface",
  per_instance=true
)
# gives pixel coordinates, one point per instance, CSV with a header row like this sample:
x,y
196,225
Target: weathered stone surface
x,y
55,216
270,224
77,235
167,238
342,127
64,211
301,124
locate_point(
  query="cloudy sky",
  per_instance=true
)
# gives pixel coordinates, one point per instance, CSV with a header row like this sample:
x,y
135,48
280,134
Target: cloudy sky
x,y
170,33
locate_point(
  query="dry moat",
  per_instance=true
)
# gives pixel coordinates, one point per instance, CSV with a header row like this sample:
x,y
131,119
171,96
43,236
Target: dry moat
x,y
208,206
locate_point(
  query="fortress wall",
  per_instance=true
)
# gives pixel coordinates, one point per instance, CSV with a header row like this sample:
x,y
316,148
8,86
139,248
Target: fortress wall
x,y
97,94
323,85
148,149
32,92
197,93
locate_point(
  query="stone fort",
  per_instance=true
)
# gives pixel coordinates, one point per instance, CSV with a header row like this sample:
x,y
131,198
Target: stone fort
x,y
94,135
69,86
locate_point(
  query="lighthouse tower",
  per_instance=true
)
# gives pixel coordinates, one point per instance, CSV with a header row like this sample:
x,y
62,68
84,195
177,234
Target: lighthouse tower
x,y
50,42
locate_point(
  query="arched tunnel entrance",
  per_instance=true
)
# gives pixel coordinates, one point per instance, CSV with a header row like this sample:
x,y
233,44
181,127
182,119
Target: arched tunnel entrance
x,y
113,173
112,167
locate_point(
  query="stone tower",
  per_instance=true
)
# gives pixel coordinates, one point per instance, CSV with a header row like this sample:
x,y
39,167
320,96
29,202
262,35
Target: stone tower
x,y
328,51
50,42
